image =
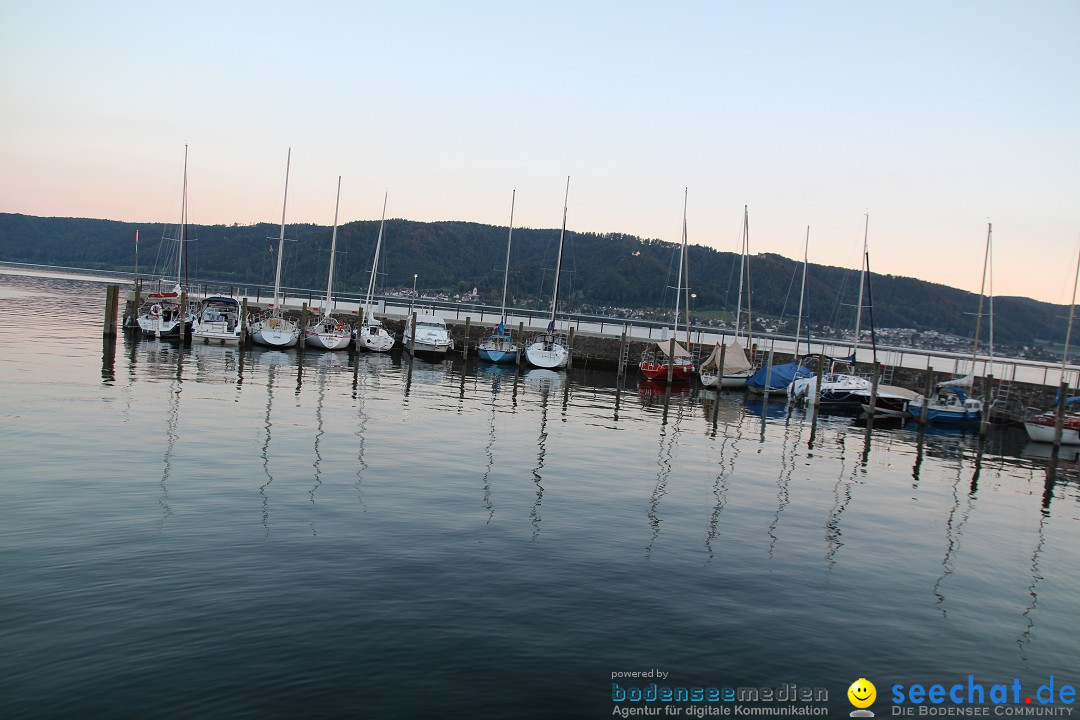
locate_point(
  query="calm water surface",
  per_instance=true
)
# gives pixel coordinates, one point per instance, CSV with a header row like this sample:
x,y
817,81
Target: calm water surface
x,y
204,532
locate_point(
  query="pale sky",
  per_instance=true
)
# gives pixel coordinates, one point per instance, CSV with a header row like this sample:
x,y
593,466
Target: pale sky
x,y
933,117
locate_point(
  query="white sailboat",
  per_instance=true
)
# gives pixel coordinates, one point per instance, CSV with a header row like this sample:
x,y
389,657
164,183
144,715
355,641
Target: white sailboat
x,y
160,313
737,366
839,388
326,332
950,402
549,350
499,347
273,329
371,333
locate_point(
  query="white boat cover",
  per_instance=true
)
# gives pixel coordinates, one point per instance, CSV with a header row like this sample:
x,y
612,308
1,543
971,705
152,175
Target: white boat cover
x,y
964,382
735,360
680,351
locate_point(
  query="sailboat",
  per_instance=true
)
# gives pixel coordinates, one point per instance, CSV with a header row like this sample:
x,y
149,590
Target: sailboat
x,y
326,332
737,367
499,347
371,334
950,402
1043,426
273,329
160,314
549,350
839,388
656,364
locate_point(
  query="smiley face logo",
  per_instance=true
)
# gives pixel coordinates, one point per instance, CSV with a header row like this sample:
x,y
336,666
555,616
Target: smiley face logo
x,y
862,693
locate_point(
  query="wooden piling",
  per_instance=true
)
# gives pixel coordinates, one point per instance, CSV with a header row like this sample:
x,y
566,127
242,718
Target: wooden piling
x,y
873,390
465,345
570,350
112,294
720,372
927,387
302,341
412,337
820,373
183,318
244,322
988,401
671,359
621,367
1059,419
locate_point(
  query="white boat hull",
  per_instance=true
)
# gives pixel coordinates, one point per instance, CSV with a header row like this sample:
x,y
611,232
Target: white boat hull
x,y
374,338
275,333
547,353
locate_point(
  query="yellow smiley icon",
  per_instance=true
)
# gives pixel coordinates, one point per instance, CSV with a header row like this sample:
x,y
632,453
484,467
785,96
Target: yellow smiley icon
x,y
862,693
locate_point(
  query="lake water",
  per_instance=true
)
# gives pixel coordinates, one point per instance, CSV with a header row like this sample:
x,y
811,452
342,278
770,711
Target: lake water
x,y
204,532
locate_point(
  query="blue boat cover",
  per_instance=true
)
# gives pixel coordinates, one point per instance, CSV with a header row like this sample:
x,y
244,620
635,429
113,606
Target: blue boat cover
x,y
778,377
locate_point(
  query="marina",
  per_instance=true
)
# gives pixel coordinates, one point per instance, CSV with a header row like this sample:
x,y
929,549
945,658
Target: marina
x,y
225,530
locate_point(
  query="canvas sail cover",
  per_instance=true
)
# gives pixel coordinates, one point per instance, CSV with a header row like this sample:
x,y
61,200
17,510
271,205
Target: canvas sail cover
x,y
735,359
777,377
964,382
680,351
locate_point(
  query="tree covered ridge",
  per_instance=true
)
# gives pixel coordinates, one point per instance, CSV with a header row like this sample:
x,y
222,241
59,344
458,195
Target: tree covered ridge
x,y
600,270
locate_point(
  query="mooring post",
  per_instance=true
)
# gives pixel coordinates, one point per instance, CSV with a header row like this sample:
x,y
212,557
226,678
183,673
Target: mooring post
x,y
720,372
1059,420
671,358
988,402
412,336
112,293
183,317
873,390
302,341
820,373
927,386
620,368
570,350
243,322
465,346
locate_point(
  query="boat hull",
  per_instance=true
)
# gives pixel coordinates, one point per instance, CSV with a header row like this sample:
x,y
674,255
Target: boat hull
x,y
658,371
275,333
547,352
337,340
504,357
374,338
1041,429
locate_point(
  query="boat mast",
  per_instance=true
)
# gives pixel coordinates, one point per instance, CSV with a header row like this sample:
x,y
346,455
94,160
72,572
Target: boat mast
x,y
183,224
506,272
333,249
982,290
558,260
802,294
375,262
281,240
1072,314
742,265
682,259
862,286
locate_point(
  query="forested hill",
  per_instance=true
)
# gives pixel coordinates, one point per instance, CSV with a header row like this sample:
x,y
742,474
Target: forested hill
x,y
602,271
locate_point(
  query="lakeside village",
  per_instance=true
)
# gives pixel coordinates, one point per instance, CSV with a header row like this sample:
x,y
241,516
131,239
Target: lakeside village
x,y
928,340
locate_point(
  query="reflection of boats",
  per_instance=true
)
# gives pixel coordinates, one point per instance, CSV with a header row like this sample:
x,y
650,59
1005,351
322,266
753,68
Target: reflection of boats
x,y
371,334
499,347
652,391
671,361
737,366
432,338
160,314
549,349
273,329
218,321
326,332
